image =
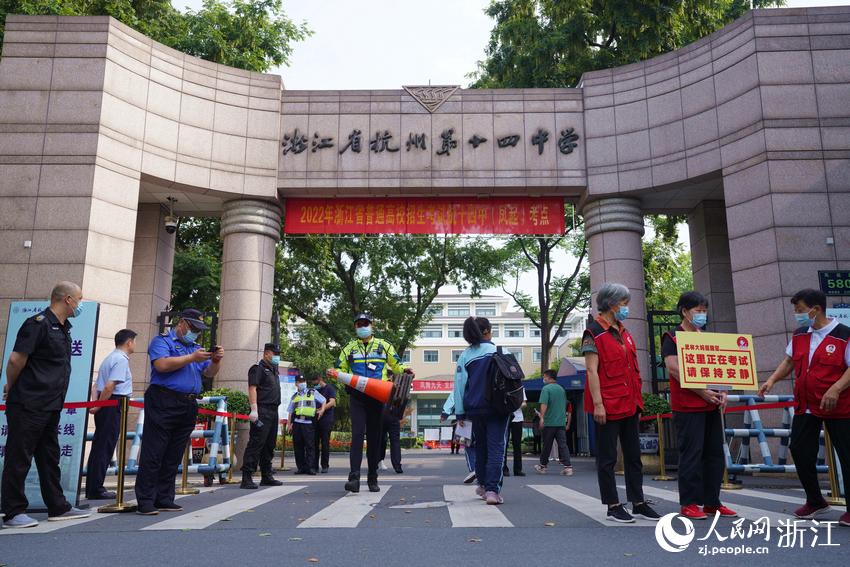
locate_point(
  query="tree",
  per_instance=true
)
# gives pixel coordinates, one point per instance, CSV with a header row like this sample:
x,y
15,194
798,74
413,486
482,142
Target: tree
x,y
325,280
550,43
196,280
558,293
255,35
666,264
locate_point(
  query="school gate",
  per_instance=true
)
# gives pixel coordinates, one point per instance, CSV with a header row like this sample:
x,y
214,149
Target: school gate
x,y
746,131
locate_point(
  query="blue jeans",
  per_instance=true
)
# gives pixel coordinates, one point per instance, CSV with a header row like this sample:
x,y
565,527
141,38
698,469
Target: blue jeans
x,y
490,432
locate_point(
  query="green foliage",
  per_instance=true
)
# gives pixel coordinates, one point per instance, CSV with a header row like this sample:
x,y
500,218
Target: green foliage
x,y
324,281
653,404
255,35
551,43
237,401
667,265
196,281
559,292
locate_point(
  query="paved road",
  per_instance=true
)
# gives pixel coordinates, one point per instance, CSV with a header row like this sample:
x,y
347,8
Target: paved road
x,y
424,517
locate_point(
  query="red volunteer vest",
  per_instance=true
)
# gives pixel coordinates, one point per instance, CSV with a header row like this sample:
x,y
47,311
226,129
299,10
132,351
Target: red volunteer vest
x,y
684,399
815,378
619,374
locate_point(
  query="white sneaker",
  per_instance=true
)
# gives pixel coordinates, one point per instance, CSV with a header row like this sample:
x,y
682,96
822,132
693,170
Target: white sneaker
x,y
20,521
469,478
382,466
72,514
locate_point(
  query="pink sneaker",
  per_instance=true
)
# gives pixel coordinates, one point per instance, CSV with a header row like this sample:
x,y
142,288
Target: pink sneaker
x,y
844,520
808,511
479,490
494,498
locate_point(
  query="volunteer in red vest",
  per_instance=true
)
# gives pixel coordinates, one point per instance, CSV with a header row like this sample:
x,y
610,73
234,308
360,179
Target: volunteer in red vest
x,y
820,358
613,394
699,428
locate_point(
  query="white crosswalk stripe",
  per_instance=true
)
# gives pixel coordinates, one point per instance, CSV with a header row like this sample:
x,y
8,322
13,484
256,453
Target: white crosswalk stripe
x,y
468,510
45,527
747,512
799,500
347,512
590,506
205,517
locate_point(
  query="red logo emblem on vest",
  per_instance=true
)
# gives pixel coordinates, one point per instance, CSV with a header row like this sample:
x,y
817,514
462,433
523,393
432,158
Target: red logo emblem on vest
x,y
830,349
743,343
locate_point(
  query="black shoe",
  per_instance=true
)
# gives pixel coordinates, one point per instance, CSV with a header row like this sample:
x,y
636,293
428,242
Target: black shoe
x,y
619,514
105,495
373,486
353,484
644,511
311,472
506,472
169,507
325,470
269,480
519,473
147,510
399,470
248,482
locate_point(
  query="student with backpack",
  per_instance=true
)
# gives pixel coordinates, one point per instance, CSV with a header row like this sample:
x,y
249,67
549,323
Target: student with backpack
x,y
486,391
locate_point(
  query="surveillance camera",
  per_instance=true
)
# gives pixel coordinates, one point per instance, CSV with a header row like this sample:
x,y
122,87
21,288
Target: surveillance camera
x,y
171,224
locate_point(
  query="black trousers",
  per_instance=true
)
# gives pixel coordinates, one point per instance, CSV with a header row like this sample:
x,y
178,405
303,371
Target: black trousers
x,y
626,431
515,436
169,421
261,442
31,435
323,443
366,416
700,439
391,428
107,422
552,434
304,445
805,441
537,442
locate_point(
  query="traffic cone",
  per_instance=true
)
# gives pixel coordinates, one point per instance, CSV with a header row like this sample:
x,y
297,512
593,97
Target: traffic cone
x,y
381,390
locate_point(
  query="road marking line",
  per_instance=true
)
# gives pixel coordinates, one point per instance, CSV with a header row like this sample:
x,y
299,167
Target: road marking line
x,y
205,517
587,505
468,510
743,511
301,479
45,527
768,496
346,512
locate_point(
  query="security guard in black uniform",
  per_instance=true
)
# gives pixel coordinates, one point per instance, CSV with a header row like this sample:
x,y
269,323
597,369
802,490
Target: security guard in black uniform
x,y
38,374
264,397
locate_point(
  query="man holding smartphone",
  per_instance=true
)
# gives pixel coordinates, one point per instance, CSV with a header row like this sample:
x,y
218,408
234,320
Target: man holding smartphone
x,y
264,397
178,365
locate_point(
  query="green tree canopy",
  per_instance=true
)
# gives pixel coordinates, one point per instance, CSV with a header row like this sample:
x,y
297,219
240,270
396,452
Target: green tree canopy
x,y
550,43
255,35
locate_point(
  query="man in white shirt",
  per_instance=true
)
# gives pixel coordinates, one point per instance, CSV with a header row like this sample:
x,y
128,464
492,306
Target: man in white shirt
x,y
114,382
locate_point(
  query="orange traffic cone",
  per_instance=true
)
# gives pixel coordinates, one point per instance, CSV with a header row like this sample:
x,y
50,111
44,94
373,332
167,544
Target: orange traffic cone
x,y
374,388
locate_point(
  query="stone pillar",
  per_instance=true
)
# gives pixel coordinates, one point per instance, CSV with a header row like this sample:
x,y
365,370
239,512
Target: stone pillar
x,y
613,228
150,285
711,264
250,229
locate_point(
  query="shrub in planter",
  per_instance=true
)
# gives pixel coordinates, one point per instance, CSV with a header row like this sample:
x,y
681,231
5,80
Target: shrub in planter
x,y
653,404
237,401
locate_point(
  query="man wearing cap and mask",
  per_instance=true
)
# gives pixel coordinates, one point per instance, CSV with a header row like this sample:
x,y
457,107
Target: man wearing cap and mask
x,y
178,366
264,397
369,357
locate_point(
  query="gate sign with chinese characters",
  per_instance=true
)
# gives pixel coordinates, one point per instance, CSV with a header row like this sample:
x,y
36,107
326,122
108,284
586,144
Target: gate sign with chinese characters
x,y
544,215
717,360
72,422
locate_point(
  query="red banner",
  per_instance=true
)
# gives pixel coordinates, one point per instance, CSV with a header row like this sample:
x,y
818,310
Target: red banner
x,y
433,385
503,215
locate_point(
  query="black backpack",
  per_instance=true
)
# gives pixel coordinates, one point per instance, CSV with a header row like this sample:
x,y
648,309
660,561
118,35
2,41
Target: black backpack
x,y
504,390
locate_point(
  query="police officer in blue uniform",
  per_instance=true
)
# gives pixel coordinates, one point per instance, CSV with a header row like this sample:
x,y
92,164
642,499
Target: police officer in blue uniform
x,y
177,367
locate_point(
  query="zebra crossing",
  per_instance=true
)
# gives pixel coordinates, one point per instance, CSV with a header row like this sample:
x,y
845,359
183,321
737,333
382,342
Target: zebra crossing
x,y
448,505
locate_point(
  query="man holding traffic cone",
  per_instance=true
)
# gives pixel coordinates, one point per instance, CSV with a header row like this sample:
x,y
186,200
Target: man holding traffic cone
x,y
366,357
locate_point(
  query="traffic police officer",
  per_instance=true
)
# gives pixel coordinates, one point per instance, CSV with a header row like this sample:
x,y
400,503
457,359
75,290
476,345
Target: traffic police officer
x,y
38,374
264,397
306,406
366,356
177,365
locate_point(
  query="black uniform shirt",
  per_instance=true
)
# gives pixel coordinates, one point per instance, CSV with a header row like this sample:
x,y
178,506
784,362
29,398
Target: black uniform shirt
x,y
43,382
265,378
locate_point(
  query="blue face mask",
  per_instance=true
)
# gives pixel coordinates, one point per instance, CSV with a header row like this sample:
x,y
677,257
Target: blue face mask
x,y
302,386
364,332
276,360
622,314
190,337
700,320
77,310
803,319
